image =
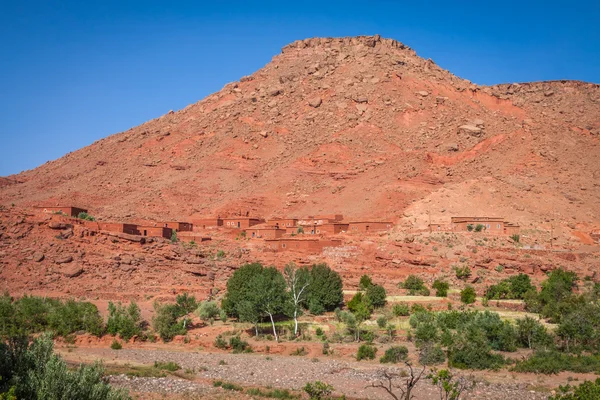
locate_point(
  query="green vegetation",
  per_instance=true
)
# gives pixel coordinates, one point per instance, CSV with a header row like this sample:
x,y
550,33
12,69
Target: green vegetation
x,y
318,390
32,314
400,310
283,394
124,321
553,362
167,366
479,228
376,295
174,238
166,321
515,238
514,287
32,371
85,216
208,311
462,272
588,390
394,354
415,286
366,352
116,345
441,288
220,255
365,282
228,386
468,295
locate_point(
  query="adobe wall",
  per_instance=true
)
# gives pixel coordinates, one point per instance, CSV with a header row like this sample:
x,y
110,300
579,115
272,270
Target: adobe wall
x,y
308,246
155,231
206,223
370,226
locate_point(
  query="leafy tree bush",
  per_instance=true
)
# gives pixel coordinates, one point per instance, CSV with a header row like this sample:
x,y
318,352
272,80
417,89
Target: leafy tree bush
x,y
365,282
441,288
174,238
238,287
123,321
85,216
381,321
532,334
556,297
32,371
208,311
115,345
318,390
462,272
588,390
394,354
400,310
471,350
165,321
366,352
514,287
415,286
238,345
553,362
580,328
468,295
324,290
431,355
479,228
186,303
357,300
376,295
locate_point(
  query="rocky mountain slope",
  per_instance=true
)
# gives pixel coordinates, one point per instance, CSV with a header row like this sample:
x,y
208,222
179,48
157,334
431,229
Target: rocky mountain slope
x,y
360,126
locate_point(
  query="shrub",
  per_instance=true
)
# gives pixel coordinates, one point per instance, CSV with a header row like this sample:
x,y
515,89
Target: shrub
x,y
366,352
400,310
318,390
514,287
365,282
208,311
462,272
167,366
115,345
376,295
394,354
220,343
532,334
186,303
588,390
515,238
85,216
468,295
123,321
431,355
381,321
441,288
174,237
470,227
413,284
471,350
165,321
220,254
479,228
553,362
300,351
35,372
238,345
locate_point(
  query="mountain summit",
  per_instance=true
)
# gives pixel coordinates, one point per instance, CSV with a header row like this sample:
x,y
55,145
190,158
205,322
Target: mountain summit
x,y
360,126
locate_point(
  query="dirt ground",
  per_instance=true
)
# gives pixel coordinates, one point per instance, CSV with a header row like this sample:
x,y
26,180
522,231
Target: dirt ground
x,y
266,370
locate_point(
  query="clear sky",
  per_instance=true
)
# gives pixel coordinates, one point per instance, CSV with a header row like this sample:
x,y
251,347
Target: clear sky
x,y
72,72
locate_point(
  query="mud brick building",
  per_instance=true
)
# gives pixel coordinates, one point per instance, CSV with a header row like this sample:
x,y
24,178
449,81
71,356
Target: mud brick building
x,y
283,223
300,245
117,227
179,226
205,223
373,226
265,232
241,222
155,231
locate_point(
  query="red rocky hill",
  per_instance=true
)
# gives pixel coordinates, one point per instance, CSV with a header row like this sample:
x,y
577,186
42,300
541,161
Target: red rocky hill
x,y
360,126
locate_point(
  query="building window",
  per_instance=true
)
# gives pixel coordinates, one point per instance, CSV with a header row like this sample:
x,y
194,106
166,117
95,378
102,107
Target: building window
x,y
498,226
283,245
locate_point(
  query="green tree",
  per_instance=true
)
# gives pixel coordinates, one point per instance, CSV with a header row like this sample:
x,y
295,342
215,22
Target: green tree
x,y
324,290
468,295
376,295
238,288
441,288
208,311
365,282
588,390
297,281
532,334
268,294
165,321
124,321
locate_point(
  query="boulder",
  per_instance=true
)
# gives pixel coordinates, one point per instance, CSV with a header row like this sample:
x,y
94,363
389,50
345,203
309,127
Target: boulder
x,y
423,93
315,102
471,130
38,257
63,259
72,271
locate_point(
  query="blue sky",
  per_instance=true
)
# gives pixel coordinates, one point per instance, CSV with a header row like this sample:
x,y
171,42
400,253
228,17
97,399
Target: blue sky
x,y
72,72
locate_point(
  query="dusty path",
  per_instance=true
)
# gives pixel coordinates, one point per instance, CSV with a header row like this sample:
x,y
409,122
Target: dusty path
x,y
350,378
